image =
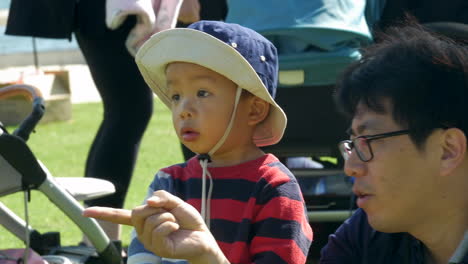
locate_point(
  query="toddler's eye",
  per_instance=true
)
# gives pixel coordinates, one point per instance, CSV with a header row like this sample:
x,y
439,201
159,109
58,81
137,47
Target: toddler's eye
x,y
175,97
202,93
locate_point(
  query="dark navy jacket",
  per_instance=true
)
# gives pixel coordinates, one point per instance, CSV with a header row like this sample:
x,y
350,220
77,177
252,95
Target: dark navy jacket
x,y
355,242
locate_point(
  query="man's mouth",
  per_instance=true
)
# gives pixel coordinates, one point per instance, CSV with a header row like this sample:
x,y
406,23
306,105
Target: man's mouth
x,y
362,198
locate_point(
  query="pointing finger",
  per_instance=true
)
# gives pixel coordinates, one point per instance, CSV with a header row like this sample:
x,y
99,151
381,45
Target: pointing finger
x,y
114,215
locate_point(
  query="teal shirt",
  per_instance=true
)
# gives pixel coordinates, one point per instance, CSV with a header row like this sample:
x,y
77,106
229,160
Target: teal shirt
x,y
321,37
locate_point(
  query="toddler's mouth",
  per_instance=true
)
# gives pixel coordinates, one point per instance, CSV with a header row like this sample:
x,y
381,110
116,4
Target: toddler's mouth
x,y
189,134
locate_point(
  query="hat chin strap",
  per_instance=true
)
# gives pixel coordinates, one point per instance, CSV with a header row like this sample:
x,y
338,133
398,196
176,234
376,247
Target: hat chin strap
x,y
205,158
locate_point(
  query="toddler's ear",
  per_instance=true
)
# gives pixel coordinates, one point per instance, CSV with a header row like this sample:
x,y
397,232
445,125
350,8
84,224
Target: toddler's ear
x,y
259,110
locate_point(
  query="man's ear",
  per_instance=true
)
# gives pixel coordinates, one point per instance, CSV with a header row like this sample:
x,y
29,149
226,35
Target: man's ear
x,y
259,110
453,150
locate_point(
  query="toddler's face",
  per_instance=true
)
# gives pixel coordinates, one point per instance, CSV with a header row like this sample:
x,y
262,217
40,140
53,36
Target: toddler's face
x,y
202,104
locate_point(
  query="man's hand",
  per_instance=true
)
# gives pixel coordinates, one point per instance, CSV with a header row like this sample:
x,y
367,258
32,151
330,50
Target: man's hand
x,y
109,214
167,226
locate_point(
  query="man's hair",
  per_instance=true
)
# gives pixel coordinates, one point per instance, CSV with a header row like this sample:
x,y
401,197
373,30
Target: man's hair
x,y
424,76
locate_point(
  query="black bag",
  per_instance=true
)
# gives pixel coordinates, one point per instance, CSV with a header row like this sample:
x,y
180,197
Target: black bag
x,y
41,18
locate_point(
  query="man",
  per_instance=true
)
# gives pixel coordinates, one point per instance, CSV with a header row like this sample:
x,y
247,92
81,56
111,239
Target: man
x,y
407,99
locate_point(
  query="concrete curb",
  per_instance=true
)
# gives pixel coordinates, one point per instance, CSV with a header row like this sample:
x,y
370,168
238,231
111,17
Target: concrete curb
x,y
81,85
58,57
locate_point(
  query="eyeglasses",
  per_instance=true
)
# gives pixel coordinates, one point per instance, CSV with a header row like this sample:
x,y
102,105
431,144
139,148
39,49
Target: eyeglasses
x,y
362,145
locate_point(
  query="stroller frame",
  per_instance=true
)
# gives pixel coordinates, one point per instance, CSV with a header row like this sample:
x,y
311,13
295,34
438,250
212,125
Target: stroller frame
x,y
26,173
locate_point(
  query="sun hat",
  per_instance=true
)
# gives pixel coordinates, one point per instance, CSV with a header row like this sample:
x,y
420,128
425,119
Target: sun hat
x,y
238,53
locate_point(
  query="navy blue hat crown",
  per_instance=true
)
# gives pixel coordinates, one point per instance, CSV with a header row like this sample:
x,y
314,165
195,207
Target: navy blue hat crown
x,y
255,48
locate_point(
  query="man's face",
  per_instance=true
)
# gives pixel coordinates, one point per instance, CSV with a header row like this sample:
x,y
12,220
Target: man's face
x,y
394,188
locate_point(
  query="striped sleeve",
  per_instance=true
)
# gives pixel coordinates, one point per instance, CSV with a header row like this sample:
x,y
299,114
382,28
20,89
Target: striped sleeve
x,y
137,254
281,227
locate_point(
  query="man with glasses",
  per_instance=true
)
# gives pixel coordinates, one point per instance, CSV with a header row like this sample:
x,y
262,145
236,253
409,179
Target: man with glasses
x,y
407,100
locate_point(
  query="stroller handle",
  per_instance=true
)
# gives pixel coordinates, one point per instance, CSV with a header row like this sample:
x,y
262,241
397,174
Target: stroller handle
x,y
34,95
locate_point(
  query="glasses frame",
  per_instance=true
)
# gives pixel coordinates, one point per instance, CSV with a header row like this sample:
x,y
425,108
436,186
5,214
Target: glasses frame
x,y
368,139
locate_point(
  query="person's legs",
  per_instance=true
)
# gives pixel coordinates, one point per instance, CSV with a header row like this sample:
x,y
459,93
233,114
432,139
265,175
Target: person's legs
x,y
127,102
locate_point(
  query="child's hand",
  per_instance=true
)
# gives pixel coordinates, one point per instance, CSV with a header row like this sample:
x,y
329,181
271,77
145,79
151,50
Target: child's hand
x,y
167,226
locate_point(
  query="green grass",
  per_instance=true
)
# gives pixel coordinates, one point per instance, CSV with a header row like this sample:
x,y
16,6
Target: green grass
x,y
63,147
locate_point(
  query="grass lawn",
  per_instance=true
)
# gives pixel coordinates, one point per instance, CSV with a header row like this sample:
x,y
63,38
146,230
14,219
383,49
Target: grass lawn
x,y
63,146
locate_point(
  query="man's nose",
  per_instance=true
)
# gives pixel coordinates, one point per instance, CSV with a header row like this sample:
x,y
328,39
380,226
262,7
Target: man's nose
x,y
353,166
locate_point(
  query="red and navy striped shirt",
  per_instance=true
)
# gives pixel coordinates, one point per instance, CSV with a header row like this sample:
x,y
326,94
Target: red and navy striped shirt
x,y
258,214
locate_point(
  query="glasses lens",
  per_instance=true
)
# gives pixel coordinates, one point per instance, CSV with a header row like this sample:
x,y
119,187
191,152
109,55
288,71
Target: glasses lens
x,y
345,148
362,148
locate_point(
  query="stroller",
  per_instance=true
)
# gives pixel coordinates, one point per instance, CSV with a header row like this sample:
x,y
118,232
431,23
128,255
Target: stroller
x,y
21,171
316,41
